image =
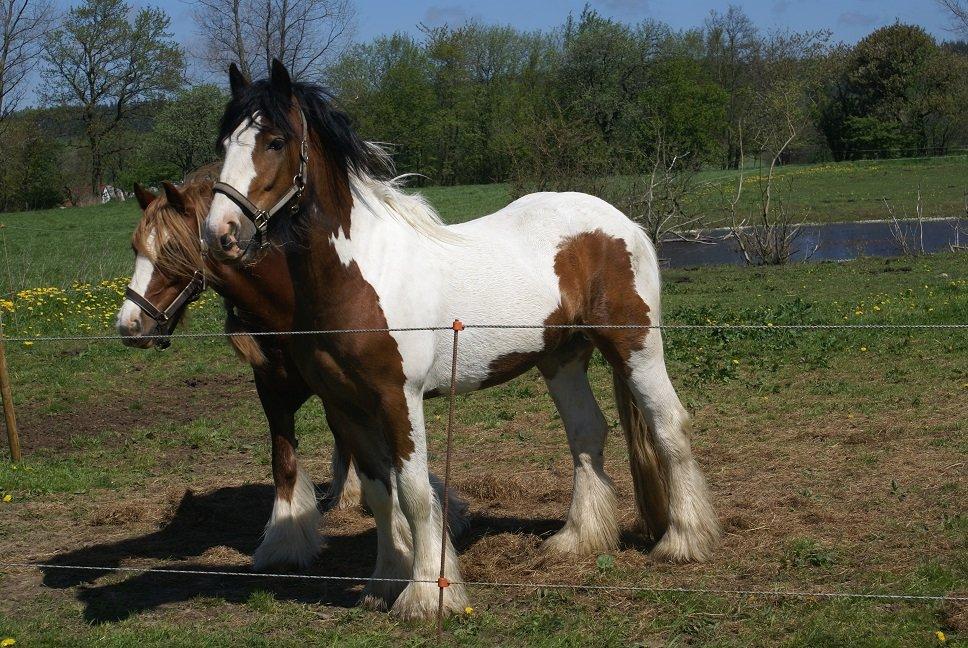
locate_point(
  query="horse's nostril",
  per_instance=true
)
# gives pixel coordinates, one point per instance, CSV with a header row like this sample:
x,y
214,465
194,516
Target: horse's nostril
x,y
227,241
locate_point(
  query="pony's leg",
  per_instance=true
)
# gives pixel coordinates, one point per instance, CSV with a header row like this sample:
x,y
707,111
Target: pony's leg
x,y
292,534
394,550
344,489
592,523
394,554
691,527
352,494
421,506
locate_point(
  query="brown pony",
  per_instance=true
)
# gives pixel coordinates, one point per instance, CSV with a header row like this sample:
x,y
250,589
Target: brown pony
x,y
257,298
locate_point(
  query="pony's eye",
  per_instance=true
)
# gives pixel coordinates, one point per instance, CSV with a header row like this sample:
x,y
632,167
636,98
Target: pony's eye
x,y
277,144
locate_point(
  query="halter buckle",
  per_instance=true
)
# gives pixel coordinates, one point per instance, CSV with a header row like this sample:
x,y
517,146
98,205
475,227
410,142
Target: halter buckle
x,y
261,220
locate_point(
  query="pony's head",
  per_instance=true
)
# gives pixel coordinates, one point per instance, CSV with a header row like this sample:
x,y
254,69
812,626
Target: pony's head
x,y
168,266
277,137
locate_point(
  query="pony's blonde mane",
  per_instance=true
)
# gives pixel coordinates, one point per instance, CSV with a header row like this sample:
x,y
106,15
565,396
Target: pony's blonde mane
x,y
168,237
411,209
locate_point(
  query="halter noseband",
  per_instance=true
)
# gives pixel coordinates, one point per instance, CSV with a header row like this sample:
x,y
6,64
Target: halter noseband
x,y
260,217
167,319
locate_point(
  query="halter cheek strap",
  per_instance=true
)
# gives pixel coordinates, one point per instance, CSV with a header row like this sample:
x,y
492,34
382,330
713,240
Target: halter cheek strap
x,y
260,217
167,318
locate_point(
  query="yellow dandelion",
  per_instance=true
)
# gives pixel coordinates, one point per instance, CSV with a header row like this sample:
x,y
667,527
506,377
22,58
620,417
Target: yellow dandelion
x,y
735,361
7,641
7,498
863,348
28,344
940,637
469,611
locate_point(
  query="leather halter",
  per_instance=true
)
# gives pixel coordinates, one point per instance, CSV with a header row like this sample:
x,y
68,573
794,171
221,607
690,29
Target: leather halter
x,y
260,217
168,318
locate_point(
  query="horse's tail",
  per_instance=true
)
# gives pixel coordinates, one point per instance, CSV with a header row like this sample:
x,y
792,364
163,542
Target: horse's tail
x,y
648,480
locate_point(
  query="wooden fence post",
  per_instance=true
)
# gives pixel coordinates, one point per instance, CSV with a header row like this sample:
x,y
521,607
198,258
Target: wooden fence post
x,y
9,415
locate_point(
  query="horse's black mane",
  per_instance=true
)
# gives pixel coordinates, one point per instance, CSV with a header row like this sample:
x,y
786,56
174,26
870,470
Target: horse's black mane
x,y
347,149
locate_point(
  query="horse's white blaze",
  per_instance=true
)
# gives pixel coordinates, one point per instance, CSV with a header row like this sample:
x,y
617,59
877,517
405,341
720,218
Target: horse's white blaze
x,y
143,270
238,171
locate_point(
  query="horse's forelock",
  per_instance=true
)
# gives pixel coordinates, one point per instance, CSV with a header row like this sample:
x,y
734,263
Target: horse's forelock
x,y
331,125
175,247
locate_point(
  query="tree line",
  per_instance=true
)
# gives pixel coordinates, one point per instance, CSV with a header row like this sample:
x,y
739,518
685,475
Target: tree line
x,y
468,103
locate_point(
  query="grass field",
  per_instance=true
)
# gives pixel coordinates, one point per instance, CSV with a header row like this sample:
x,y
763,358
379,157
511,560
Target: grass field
x,y
822,193
94,239
836,459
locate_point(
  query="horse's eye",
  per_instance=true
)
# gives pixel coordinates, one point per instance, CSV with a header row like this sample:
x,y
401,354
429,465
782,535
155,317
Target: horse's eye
x,y
277,144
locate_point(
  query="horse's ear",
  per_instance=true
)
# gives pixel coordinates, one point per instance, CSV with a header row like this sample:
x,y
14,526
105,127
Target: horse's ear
x,y
280,78
144,196
175,197
237,80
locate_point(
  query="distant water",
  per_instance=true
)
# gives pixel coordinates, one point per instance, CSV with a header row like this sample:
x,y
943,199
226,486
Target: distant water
x,y
837,242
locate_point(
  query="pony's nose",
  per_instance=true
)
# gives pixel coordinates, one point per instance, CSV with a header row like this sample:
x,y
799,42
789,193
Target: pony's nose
x,y
228,241
130,327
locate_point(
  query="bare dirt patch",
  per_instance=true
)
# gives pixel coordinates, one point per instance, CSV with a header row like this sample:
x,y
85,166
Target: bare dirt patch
x,y
123,407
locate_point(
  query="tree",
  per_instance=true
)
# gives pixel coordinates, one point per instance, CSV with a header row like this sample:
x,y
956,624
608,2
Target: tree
x,y
958,9
31,175
732,48
306,35
182,138
387,86
896,89
109,67
23,24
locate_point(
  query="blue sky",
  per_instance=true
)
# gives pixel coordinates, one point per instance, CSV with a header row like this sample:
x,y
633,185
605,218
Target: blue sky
x,y
849,19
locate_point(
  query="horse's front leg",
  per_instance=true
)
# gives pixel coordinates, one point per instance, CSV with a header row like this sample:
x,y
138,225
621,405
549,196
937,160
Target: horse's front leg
x,y
421,506
292,535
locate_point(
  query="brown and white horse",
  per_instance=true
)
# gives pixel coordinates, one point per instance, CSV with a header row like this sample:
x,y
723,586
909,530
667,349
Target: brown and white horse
x,y
168,261
362,254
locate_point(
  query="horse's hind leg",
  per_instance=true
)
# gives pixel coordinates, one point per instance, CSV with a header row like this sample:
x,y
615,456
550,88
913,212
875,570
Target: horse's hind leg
x,y
345,490
592,524
656,426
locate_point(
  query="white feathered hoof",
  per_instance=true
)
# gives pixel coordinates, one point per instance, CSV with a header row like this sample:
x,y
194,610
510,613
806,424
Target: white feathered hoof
x,y
420,601
387,582
586,541
694,544
292,537
693,533
592,524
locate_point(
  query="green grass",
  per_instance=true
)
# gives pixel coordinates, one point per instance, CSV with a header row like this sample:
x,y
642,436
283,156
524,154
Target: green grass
x,y
838,446
847,191
62,246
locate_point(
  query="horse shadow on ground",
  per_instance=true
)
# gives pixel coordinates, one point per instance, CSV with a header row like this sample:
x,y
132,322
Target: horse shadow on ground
x,y
233,518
